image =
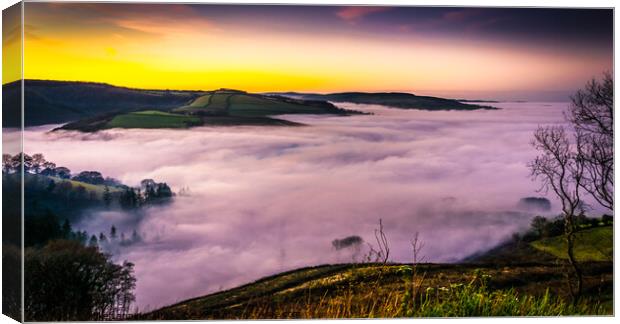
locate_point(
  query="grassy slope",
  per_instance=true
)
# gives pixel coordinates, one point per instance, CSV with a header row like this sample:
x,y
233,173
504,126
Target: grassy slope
x,y
217,108
152,119
202,101
593,244
38,180
97,189
239,104
252,105
369,290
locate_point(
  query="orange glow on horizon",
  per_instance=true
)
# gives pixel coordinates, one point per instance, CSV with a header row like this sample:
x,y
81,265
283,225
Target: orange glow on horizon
x,y
198,54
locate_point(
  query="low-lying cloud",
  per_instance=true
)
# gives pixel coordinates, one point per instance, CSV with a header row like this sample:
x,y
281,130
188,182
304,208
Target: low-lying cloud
x,y
268,199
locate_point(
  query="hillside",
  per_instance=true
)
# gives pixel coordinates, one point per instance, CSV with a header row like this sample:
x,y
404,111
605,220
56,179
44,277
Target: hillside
x,y
377,290
56,102
59,102
222,107
591,244
392,99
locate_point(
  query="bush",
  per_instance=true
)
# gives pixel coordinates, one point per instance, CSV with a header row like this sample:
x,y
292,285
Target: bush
x,y
70,282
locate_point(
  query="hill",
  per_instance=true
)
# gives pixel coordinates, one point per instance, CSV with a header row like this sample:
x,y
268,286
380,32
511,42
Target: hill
x,y
59,102
524,278
56,102
376,290
392,99
222,107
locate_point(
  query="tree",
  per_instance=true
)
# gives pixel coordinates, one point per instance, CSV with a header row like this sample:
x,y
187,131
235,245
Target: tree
x,y
6,163
70,282
92,177
129,198
15,164
93,241
27,162
382,252
49,172
63,172
163,190
585,164
49,165
561,171
107,197
49,169
112,182
67,231
592,116
147,183
113,233
539,225
38,160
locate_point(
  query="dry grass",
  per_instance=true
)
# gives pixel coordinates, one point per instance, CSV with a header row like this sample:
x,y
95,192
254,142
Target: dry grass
x,y
380,291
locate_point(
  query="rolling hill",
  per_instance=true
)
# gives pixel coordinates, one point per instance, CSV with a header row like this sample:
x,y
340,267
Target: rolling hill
x,y
57,102
222,107
392,99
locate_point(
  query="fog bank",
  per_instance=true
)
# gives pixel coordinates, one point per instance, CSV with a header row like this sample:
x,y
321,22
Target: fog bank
x,y
267,199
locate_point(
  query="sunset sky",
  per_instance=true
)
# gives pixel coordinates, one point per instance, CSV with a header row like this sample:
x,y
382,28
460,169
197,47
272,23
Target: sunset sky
x,y
320,48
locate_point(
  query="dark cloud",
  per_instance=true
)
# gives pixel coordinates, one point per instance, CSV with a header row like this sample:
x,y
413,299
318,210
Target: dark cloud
x,y
572,27
565,27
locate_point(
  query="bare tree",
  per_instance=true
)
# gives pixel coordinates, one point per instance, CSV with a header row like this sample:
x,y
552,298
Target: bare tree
x,y
585,164
382,252
382,242
417,280
561,170
592,116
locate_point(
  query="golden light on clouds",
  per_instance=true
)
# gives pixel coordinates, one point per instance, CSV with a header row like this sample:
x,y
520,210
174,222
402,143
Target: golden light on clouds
x,y
150,48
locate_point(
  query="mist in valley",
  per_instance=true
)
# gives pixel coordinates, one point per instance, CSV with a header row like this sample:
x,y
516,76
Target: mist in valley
x,y
261,200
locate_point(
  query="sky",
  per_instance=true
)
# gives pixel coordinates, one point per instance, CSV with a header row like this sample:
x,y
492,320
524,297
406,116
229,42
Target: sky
x,y
448,50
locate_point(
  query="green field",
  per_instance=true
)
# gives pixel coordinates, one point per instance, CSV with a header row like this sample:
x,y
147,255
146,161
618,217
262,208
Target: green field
x,y
201,101
248,105
593,244
97,189
152,119
239,104
219,101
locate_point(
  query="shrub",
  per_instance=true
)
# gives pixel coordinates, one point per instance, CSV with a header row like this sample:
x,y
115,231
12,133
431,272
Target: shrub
x,y
475,299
